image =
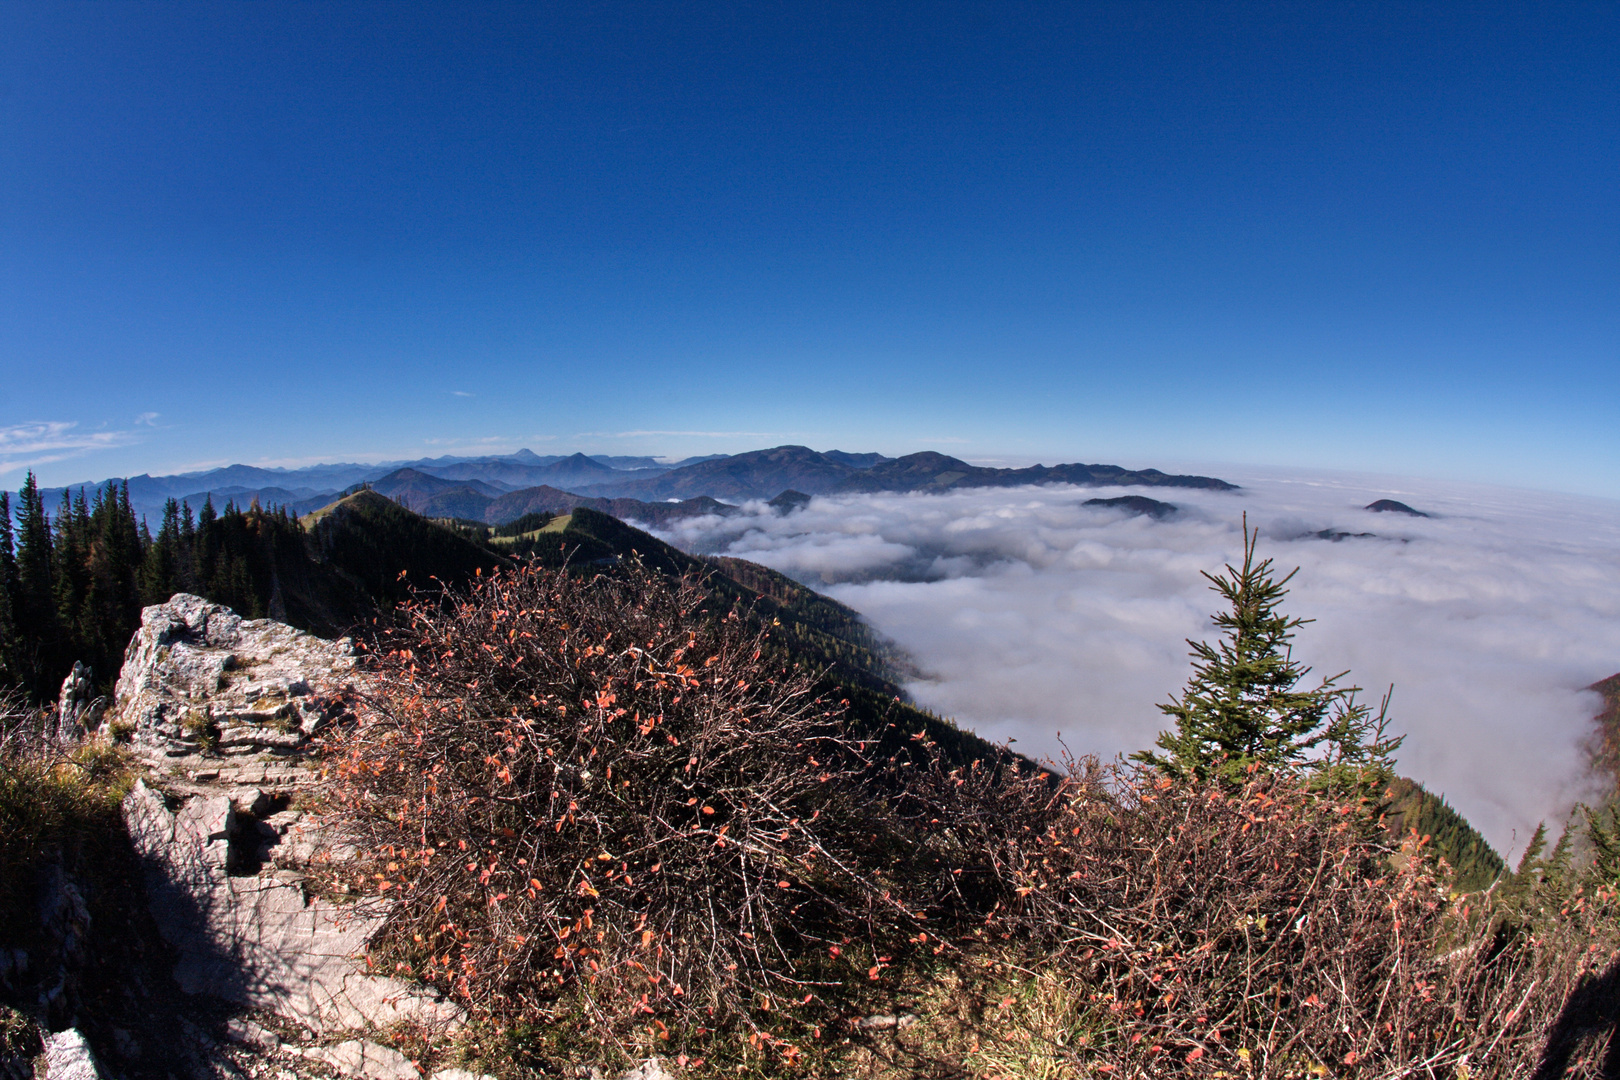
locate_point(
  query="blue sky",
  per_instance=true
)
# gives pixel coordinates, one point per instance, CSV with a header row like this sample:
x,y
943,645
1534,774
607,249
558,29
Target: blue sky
x,y
1375,237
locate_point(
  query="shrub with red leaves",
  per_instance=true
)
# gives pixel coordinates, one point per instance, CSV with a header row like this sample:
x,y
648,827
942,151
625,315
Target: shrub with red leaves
x,y
597,794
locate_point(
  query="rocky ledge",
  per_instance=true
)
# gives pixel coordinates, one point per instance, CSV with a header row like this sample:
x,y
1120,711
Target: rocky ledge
x,y
224,710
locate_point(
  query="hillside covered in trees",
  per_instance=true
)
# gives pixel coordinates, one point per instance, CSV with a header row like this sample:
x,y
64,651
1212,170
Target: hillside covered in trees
x,y
73,581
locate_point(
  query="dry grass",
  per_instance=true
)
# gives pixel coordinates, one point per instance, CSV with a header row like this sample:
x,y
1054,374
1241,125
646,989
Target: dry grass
x,y
55,800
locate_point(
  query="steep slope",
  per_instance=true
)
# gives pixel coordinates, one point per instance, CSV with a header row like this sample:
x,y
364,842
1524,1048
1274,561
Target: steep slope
x,y
1412,808
809,629
1604,746
457,502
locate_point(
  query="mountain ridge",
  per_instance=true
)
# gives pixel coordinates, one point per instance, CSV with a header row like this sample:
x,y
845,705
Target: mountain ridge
x,y
474,488
763,474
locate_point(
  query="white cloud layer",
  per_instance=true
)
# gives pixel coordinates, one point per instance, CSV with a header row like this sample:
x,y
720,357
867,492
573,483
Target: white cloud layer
x,y
1032,615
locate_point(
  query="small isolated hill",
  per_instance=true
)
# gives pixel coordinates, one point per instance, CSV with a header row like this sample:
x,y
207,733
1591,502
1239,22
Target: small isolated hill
x,y
578,470
436,496
402,485
1390,506
1135,504
789,501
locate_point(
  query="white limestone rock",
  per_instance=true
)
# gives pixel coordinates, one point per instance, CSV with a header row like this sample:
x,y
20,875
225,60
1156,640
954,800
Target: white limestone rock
x,y
196,673
258,941
69,1057
367,1060
459,1074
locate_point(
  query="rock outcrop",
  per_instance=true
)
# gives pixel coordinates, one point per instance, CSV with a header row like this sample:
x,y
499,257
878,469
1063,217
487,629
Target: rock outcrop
x,y
69,1057
78,709
223,710
201,682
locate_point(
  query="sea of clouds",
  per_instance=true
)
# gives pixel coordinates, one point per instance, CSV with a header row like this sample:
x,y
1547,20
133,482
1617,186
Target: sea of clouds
x,y
1029,615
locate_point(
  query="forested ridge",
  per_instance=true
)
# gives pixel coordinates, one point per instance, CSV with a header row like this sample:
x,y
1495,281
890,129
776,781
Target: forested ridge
x,y
73,581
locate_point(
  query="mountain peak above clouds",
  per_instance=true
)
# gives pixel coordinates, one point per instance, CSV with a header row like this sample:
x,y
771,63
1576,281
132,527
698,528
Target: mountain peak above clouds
x,y
1390,506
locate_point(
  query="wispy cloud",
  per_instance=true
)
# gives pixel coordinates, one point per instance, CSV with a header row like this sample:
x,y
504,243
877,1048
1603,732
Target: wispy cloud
x,y
148,419
28,446
463,393
1034,614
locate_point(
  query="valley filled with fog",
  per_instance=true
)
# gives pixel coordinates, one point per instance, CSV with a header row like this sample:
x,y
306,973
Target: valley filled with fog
x,y
1029,615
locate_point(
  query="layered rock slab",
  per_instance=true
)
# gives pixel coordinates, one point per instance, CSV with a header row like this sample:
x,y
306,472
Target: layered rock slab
x,y
198,679
261,688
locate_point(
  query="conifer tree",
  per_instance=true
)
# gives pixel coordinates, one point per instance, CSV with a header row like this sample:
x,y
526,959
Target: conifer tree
x,y
205,552
160,573
9,660
1603,833
69,579
36,600
1244,708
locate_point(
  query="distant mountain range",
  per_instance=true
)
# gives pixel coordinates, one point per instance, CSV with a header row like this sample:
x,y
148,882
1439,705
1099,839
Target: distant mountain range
x,y
499,489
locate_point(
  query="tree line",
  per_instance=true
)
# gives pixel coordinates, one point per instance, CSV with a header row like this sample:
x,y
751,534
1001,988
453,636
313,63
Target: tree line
x,y
73,582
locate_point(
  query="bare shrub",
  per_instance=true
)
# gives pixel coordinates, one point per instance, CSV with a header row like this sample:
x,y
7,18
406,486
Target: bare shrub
x,y
594,800
1263,931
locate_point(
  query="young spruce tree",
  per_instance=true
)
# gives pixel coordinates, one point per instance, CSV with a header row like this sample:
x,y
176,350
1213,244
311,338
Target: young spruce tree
x,y
1244,709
